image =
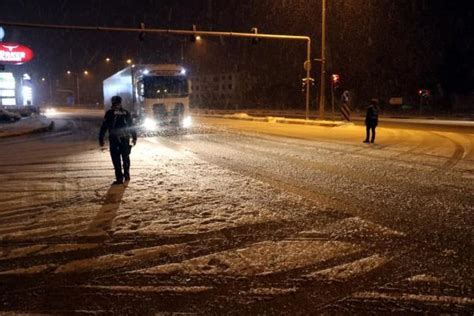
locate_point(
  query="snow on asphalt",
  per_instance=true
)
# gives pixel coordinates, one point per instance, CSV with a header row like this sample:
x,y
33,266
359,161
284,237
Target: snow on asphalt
x,y
217,205
24,126
172,193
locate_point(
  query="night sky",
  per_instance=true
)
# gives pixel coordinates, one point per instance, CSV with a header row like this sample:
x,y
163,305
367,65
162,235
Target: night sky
x,y
381,48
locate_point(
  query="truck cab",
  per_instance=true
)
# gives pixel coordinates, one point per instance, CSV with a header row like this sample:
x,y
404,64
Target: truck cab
x,y
163,96
157,95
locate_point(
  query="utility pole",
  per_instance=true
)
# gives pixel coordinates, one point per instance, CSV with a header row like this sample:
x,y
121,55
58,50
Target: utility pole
x,y
77,99
77,89
50,88
308,76
322,92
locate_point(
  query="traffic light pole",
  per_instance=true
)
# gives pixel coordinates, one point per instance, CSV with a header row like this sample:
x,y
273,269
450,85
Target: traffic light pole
x,y
332,99
322,91
193,32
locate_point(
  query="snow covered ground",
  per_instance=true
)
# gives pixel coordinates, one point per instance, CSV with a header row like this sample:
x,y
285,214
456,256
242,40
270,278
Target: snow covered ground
x,y
31,124
233,217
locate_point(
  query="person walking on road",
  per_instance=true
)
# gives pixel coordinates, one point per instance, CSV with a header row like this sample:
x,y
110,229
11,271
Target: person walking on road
x,y
371,121
119,124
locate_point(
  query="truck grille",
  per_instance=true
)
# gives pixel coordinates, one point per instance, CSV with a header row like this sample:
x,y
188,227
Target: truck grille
x,y
159,111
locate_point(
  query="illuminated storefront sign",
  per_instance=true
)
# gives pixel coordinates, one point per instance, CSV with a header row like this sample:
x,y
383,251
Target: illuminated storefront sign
x,y
16,54
7,89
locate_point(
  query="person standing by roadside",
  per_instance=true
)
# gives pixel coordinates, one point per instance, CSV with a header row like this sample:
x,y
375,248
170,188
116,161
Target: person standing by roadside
x,y
371,121
118,122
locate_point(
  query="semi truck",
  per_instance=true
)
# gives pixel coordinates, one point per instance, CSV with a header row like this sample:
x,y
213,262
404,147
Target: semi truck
x,y
156,95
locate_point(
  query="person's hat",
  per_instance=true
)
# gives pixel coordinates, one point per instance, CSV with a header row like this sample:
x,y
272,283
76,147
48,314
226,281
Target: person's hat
x,y
116,100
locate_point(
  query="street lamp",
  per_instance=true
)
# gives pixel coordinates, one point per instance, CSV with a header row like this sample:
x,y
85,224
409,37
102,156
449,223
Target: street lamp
x,y
129,61
107,60
77,84
47,82
86,72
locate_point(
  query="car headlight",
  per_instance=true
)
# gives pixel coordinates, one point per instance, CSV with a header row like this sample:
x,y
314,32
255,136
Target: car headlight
x,y
149,124
50,110
187,122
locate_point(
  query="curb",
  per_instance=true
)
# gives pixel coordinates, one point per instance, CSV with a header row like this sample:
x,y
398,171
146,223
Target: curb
x,y
280,120
469,125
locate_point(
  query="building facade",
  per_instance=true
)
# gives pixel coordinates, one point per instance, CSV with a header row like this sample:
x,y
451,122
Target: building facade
x,y
219,90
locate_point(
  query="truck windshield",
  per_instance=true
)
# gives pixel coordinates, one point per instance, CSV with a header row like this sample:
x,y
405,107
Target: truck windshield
x,y
165,86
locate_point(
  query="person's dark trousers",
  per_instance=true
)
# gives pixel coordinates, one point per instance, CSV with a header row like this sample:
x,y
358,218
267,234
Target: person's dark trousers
x,y
369,128
120,153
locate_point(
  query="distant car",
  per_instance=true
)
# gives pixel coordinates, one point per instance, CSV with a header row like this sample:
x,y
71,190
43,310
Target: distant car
x,y
50,111
8,117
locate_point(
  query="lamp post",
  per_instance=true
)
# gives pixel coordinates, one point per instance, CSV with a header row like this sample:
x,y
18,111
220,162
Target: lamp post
x,y
47,81
77,85
322,92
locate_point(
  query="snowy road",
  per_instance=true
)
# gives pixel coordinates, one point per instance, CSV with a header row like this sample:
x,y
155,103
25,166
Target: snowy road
x,y
238,217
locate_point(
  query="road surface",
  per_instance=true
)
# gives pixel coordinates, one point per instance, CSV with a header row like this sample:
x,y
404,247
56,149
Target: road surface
x,y
238,217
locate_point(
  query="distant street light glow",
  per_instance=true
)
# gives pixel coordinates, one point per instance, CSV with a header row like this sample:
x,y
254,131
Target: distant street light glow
x,y
129,61
86,72
107,59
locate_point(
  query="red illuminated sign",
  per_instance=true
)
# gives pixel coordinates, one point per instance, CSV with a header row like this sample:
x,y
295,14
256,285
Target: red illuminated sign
x,y
13,53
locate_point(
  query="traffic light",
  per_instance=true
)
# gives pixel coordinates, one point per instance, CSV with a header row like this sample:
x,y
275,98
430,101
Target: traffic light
x,y
141,35
254,39
335,81
424,93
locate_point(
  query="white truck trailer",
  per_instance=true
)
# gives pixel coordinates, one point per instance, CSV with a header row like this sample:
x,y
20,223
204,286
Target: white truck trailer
x,y
157,95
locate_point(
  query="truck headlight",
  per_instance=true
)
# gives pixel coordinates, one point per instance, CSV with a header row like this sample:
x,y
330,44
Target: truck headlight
x,y
149,124
187,122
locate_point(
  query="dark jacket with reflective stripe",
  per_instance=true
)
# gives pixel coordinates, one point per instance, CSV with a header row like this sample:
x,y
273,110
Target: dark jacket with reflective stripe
x,y
119,124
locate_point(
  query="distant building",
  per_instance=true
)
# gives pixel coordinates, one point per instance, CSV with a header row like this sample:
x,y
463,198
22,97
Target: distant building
x,y
219,91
